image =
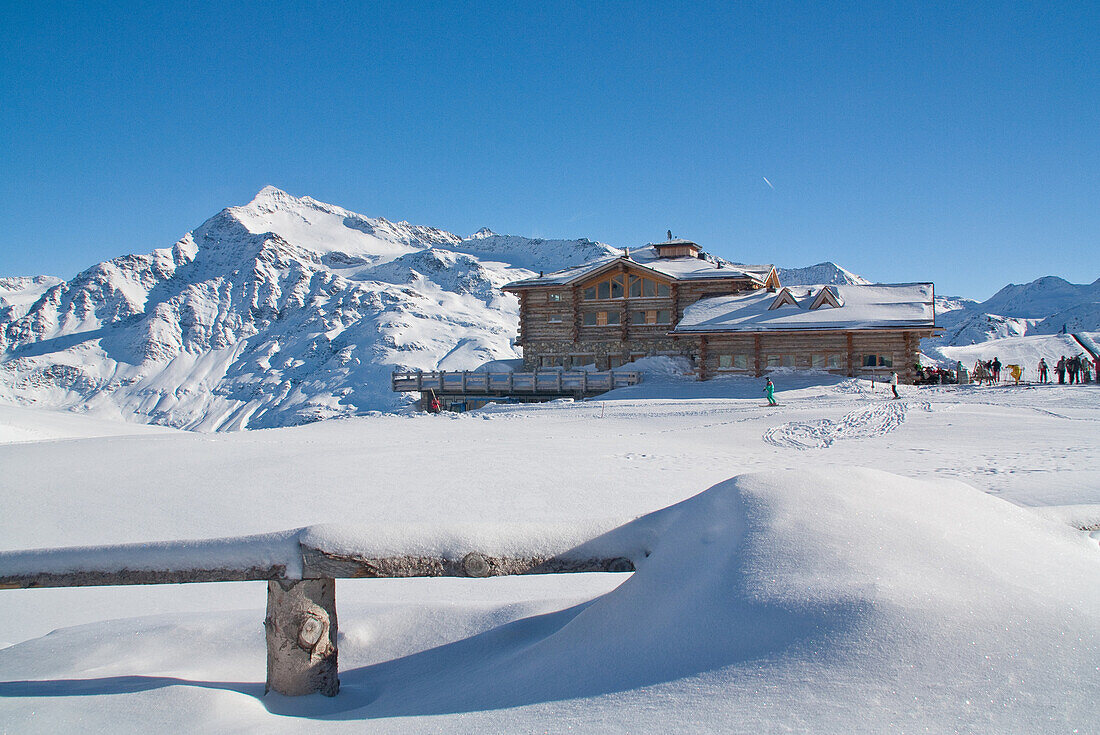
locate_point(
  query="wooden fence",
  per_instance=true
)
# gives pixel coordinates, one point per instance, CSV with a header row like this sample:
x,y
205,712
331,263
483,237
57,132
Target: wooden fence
x,y
301,592
509,383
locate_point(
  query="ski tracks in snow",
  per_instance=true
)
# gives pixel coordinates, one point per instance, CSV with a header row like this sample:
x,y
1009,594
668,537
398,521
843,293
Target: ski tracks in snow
x,y
874,420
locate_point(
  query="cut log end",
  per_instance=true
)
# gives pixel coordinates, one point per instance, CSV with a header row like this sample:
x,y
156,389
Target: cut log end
x,y
301,637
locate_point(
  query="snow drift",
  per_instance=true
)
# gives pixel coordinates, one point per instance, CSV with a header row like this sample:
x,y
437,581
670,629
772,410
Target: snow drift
x,y
836,600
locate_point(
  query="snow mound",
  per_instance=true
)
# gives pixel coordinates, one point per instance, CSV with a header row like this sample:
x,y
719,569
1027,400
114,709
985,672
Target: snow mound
x,y
831,600
946,607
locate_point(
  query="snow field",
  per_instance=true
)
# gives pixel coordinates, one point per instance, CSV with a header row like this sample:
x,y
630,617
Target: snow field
x,y
811,595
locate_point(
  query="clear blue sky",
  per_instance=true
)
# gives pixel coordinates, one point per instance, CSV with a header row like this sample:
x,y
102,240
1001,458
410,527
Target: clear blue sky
x,y
954,142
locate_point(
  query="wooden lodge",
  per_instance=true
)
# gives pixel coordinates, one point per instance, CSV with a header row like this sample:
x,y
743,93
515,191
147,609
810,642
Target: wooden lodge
x,y
668,298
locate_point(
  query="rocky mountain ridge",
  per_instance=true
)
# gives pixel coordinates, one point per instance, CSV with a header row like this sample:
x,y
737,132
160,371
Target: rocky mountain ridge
x,y
289,310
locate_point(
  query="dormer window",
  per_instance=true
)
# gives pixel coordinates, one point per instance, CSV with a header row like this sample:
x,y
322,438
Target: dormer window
x,y
827,296
785,298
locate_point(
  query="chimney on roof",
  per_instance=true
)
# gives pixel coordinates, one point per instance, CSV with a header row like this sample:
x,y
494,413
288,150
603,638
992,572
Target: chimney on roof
x,y
670,235
626,253
540,274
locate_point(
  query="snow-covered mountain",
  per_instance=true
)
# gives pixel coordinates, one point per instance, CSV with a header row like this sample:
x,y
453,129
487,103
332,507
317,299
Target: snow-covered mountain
x,y
288,310
282,311
1045,306
822,273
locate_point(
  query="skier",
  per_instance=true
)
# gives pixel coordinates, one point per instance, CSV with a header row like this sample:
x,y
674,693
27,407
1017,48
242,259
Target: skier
x,y
894,384
1060,368
996,365
769,388
1043,371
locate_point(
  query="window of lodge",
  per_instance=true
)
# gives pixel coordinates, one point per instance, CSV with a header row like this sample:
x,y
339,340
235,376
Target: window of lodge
x,y
601,318
877,361
651,316
826,361
620,285
733,362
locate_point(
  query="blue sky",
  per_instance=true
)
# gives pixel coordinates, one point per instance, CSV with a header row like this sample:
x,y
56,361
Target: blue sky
x,y
953,142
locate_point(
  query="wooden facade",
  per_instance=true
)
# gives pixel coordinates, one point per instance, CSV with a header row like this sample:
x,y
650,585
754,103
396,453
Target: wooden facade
x,y
612,316
623,310
866,352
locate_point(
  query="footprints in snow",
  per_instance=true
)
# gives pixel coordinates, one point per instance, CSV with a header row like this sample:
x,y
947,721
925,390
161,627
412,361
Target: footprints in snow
x,y
874,420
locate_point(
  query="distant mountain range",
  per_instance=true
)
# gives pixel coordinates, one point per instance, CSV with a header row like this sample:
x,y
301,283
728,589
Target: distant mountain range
x,y
289,310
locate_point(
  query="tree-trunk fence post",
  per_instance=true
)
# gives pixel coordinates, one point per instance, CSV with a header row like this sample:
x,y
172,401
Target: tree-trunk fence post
x,y
301,637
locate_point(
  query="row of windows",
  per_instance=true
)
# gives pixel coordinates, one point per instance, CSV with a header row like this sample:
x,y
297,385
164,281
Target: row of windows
x,y
612,318
821,361
624,285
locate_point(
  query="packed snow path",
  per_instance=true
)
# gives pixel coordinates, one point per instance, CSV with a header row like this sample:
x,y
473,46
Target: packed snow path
x,y
874,420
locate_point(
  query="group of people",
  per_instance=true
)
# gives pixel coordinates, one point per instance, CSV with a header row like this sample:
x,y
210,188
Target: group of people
x,y
1076,369
935,376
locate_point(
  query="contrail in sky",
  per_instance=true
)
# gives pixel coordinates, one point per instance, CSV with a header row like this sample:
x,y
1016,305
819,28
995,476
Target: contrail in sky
x,y
768,182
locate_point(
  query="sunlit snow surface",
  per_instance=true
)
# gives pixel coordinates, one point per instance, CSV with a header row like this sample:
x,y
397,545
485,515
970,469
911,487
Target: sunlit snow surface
x,y
807,594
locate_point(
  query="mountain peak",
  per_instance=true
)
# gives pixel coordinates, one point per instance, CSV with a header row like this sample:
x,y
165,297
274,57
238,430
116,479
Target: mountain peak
x,y
268,197
822,273
481,234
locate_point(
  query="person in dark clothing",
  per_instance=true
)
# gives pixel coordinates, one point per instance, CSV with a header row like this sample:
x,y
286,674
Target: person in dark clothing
x,y
996,365
1073,364
1043,371
1060,368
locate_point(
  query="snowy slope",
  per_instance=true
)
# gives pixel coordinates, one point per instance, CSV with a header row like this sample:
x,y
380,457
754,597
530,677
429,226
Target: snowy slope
x,y
283,311
803,595
1023,351
1044,306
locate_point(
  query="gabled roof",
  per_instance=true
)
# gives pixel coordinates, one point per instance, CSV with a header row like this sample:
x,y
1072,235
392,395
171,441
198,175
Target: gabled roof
x,y
676,269
827,296
783,298
876,306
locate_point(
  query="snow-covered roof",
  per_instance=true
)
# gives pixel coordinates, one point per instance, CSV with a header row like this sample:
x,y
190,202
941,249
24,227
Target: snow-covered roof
x,y
674,241
861,307
683,268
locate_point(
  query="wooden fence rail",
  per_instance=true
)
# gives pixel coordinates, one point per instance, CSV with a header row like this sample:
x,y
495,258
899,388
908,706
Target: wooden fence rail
x,y
301,618
505,383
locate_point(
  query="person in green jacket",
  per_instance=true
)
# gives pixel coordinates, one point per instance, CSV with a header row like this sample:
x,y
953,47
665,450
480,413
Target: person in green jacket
x,y
769,388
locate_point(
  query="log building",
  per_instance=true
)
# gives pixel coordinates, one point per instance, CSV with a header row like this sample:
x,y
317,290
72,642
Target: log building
x,y
667,299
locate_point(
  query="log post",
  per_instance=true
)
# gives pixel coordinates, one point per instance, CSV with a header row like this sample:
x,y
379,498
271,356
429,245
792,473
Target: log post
x,y
301,637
